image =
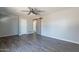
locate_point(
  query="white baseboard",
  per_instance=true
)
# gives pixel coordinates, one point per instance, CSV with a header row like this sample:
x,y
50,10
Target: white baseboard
x,y
8,35
62,39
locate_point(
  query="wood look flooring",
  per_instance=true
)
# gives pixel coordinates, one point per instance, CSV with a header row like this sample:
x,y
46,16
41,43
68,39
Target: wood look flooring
x,y
35,43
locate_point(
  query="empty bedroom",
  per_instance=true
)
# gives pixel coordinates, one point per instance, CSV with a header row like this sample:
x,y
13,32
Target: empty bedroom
x,y
39,29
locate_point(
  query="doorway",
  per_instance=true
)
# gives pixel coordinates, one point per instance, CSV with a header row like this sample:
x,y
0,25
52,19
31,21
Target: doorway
x,y
37,25
34,26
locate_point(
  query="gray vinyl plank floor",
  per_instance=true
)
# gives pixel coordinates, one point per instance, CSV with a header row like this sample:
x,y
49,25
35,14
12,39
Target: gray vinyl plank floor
x,y
36,43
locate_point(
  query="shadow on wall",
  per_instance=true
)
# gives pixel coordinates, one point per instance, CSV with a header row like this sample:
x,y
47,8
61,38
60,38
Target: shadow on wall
x,y
3,15
8,26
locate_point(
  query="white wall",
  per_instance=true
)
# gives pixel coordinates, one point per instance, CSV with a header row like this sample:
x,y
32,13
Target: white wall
x,y
8,26
63,25
38,27
29,25
26,25
22,26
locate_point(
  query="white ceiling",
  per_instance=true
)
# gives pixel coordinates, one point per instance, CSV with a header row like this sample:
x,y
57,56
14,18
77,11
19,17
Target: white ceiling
x,y
18,10
47,10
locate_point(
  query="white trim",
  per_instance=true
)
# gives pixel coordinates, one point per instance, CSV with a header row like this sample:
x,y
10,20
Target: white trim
x,y
7,35
61,39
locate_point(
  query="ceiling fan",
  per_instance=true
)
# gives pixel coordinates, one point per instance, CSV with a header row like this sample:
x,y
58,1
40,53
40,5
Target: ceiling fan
x,y
33,11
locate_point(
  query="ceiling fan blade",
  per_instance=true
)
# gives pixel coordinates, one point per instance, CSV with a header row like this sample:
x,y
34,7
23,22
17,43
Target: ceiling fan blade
x,y
31,9
35,11
38,10
29,13
25,11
